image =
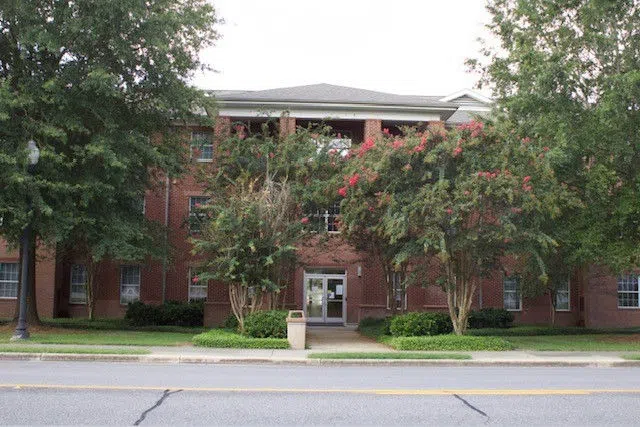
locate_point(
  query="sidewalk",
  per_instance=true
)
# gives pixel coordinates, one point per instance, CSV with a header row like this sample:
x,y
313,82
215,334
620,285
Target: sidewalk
x,y
245,356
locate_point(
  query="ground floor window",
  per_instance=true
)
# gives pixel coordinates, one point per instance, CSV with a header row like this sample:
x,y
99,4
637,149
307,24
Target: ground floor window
x,y
78,293
129,283
512,295
628,291
197,287
8,279
399,294
563,297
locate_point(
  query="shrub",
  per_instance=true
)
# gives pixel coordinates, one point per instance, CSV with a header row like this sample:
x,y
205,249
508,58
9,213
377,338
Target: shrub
x,y
266,324
451,343
171,313
231,322
420,324
490,318
224,339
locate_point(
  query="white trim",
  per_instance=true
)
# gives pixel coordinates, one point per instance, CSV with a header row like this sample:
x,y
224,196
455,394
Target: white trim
x,y
17,281
618,292
335,111
467,92
71,300
130,285
520,291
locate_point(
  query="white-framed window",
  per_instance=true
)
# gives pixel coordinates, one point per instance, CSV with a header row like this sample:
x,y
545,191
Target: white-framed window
x,y
197,288
8,280
512,293
327,218
399,301
196,215
628,291
563,297
129,283
202,146
78,294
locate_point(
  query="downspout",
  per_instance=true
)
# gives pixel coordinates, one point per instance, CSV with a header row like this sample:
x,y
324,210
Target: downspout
x,y
480,295
166,238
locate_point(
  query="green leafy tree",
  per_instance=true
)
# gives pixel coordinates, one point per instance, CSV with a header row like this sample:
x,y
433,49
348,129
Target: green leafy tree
x,y
566,73
99,86
255,215
468,203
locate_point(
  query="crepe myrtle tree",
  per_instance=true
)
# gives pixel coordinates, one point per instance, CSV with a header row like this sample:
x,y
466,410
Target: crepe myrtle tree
x,y
472,198
255,214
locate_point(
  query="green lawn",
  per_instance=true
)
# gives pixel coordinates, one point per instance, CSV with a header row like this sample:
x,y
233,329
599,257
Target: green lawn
x,y
634,356
22,348
224,338
107,337
390,356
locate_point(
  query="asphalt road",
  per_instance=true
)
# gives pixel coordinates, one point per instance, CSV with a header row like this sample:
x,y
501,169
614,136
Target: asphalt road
x,y
126,394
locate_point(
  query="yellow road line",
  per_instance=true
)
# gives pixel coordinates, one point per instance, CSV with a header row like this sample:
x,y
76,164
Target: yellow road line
x,y
418,392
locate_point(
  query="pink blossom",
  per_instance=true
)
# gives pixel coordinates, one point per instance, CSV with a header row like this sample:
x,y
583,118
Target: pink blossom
x,y
305,220
526,179
407,167
480,173
516,210
398,143
545,148
371,209
271,155
457,151
343,191
195,279
385,131
418,148
353,181
366,146
526,187
541,155
467,192
197,206
449,211
493,175
526,140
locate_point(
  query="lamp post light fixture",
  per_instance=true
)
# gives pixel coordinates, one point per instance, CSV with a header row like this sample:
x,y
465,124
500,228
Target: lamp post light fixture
x,y
21,332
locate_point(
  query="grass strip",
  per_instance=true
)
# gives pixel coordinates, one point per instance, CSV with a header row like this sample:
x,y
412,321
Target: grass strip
x,y
598,342
68,350
105,337
221,338
390,356
635,356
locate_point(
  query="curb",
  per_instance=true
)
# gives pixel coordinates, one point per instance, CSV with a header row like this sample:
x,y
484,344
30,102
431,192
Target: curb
x,y
169,359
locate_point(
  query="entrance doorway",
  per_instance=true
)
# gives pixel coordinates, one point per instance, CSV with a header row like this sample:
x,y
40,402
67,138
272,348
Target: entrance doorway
x,y
325,296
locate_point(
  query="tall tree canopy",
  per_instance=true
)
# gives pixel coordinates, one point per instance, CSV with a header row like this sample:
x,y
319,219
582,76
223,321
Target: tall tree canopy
x,y
567,73
98,85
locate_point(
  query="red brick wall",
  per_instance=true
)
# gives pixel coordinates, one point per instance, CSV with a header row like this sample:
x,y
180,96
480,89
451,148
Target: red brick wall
x,y
372,128
601,302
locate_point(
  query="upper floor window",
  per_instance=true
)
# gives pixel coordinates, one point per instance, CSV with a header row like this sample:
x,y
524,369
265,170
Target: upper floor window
x,y
563,297
512,295
129,283
628,291
196,215
78,294
327,219
8,279
202,146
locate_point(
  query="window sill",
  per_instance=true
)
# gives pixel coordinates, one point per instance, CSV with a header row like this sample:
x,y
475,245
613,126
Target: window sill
x,y
563,310
628,308
204,160
77,303
516,310
8,298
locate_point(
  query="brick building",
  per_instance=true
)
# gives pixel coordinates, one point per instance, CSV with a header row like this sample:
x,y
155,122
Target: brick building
x,y
334,283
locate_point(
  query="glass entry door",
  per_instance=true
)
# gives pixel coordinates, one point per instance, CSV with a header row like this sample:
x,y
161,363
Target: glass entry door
x,y
324,297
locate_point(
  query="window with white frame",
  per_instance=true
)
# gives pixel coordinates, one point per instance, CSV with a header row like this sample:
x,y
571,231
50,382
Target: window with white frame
x,y
628,291
202,146
197,287
129,283
327,219
563,298
512,295
399,300
8,279
196,215
78,294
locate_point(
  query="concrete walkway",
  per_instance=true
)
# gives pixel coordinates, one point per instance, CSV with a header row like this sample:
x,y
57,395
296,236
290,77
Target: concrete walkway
x,y
340,339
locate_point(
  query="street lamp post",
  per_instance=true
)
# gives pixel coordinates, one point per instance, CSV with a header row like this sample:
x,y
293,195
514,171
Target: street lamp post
x,y
21,332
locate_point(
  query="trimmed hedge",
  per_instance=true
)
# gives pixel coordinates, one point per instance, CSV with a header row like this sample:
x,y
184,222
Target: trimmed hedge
x,y
171,313
451,343
421,324
266,324
490,318
221,338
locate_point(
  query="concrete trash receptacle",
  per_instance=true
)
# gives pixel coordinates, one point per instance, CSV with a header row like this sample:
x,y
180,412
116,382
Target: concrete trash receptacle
x,y
296,329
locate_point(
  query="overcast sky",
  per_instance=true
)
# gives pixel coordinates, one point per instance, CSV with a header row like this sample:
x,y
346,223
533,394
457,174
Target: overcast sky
x,y
399,46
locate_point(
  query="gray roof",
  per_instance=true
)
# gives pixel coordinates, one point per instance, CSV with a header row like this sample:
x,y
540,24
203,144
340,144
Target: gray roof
x,y
326,93
464,116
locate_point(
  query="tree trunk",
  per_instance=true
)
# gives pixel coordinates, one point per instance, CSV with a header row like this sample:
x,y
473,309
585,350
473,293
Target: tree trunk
x,y
552,305
90,288
238,299
459,299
